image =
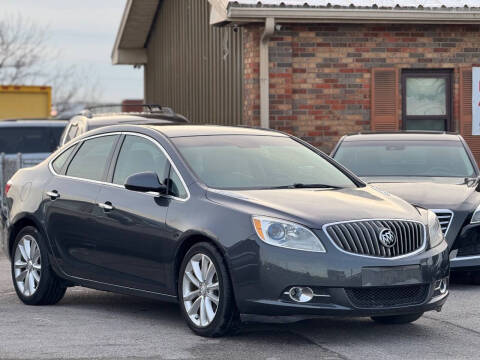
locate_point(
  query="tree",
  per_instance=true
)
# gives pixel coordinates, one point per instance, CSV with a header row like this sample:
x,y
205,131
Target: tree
x,y
26,59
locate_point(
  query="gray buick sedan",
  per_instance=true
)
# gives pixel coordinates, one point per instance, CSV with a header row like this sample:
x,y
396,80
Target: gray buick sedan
x,y
223,220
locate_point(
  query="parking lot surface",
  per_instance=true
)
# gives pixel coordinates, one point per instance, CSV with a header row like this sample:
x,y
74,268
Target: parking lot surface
x,y
89,324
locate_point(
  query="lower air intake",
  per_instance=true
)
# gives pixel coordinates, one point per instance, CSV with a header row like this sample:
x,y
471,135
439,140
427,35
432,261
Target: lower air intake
x,y
383,297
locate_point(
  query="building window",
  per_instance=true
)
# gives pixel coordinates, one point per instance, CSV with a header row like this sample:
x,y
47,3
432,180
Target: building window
x,y
426,100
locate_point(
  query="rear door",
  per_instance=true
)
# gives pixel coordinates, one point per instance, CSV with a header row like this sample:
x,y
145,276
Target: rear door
x,y
70,198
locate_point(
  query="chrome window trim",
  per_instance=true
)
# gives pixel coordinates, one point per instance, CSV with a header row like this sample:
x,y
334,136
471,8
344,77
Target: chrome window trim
x,y
50,166
421,249
445,211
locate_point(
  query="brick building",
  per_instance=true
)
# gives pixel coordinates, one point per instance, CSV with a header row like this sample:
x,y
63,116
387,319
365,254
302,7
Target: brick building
x,y
317,69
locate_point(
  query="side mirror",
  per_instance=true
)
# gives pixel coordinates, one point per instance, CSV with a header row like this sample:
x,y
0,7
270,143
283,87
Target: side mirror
x,y
145,182
473,182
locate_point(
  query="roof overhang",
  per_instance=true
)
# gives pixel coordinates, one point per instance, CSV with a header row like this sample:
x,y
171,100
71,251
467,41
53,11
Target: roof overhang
x,y
242,14
137,20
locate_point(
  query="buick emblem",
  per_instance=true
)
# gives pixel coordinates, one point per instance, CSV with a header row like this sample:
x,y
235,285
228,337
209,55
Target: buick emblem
x,y
388,238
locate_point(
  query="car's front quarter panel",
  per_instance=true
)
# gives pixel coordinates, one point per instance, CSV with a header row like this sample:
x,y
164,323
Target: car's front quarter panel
x,y
228,227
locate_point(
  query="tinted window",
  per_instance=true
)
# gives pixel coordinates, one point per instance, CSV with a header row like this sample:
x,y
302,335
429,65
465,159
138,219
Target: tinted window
x,y
60,161
139,155
406,158
175,185
29,140
91,160
242,162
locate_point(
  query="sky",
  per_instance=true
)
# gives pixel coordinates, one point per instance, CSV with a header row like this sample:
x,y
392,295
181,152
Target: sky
x,y
84,32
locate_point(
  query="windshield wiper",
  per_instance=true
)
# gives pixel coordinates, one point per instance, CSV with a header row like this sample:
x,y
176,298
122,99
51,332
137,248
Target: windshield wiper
x,y
315,186
306,186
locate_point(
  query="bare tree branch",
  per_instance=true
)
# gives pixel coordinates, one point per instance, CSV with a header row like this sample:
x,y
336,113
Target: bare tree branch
x,y
26,59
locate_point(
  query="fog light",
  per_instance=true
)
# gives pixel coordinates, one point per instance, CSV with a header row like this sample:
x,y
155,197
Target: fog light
x,y
441,286
301,294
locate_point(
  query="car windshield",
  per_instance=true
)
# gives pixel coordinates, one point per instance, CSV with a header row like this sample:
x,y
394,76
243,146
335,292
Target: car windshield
x,y
29,139
258,162
406,158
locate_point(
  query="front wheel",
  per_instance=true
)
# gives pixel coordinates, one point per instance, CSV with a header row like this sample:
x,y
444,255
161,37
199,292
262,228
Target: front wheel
x,y
34,281
397,319
205,292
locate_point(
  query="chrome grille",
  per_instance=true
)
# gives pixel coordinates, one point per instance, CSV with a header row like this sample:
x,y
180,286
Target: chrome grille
x,y
363,237
445,217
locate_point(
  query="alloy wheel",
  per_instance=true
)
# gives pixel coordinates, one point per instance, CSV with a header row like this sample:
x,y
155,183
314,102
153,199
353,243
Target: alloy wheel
x,y
200,290
27,265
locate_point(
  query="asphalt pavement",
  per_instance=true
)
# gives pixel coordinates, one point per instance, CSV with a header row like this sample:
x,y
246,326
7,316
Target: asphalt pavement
x,y
89,324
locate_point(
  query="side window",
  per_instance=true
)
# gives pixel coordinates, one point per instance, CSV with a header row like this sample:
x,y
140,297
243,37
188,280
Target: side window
x,y
175,185
139,155
60,161
91,160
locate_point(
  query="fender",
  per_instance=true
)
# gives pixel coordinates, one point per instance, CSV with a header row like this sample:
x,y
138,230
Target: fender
x,y
186,240
19,221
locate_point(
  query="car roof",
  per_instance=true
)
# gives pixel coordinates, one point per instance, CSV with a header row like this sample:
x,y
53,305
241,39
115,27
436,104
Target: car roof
x,y
181,130
33,123
405,136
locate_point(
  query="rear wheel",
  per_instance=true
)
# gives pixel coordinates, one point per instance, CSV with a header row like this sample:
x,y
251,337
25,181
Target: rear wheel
x,y
34,281
205,292
397,319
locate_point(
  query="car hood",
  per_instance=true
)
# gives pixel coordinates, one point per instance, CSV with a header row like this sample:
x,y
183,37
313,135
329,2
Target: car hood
x,y
317,207
448,193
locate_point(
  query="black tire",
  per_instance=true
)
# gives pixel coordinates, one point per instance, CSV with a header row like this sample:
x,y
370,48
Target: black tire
x,y
50,289
397,319
227,319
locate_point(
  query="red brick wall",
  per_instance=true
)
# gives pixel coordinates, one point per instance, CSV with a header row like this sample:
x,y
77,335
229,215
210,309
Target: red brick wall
x,y
320,75
251,75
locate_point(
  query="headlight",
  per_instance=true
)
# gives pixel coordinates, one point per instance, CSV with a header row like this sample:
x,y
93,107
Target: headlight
x,y
476,216
286,234
434,229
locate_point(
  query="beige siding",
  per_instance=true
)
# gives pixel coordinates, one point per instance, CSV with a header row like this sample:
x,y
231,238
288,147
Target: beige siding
x,y
193,67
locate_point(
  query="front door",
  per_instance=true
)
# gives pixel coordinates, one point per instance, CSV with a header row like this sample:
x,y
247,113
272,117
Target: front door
x,y
130,230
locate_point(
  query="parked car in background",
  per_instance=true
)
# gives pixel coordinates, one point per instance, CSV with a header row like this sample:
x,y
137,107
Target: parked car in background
x,y
25,143
225,221
34,138
96,117
434,170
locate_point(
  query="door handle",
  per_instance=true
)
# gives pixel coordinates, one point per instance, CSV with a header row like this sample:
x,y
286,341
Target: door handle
x,y
106,206
53,194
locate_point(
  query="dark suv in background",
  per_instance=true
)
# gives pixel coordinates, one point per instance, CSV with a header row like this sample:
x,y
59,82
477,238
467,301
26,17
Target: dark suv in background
x,y
100,116
434,170
34,139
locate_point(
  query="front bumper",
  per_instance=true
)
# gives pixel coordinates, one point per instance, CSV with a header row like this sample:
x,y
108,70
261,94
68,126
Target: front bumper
x,y
262,274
